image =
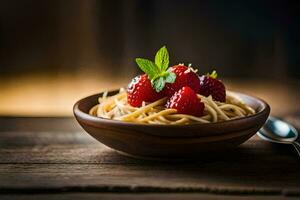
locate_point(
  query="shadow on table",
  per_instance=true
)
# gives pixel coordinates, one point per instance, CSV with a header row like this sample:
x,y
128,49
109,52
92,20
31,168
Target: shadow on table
x,y
240,154
249,166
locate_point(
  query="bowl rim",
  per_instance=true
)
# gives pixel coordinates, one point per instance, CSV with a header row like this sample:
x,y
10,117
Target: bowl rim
x,y
79,113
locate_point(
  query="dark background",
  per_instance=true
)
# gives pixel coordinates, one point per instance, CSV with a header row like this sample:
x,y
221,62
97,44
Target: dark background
x,y
54,52
238,38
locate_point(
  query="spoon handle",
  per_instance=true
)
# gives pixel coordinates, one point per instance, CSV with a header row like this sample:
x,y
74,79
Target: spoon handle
x,y
297,147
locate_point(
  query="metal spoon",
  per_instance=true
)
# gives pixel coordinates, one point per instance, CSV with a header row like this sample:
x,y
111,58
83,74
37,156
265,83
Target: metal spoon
x,y
279,131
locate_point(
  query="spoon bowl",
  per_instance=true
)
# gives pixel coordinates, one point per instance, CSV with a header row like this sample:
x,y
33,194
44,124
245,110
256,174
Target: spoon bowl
x,y
278,131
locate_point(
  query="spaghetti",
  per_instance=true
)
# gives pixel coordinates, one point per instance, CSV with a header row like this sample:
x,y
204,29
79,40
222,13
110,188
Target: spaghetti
x,y
116,107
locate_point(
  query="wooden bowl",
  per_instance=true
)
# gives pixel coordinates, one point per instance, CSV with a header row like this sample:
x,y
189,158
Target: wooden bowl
x,y
171,141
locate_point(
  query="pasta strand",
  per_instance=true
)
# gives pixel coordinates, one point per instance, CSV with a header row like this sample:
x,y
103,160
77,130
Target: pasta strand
x,y
116,107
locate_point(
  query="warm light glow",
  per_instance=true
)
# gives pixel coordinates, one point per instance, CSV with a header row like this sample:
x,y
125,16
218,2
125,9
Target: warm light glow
x,y
49,96
45,95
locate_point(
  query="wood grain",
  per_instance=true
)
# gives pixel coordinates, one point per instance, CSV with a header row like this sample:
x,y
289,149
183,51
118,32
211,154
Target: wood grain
x,y
67,160
151,196
132,178
32,124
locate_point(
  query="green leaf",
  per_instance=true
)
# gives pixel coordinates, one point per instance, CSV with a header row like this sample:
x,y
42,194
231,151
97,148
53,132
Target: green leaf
x,y
213,74
157,71
159,84
170,78
162,59
147,66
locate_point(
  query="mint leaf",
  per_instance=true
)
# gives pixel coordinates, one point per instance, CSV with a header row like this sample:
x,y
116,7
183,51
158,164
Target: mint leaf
x,y
162,59
159,84
147,66
170,78
157,71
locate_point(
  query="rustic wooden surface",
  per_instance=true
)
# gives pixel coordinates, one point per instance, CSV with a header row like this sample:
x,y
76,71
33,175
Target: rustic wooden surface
x,y
54,158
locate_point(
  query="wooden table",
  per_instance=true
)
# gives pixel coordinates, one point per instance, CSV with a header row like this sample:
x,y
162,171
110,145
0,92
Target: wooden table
x,y
53,158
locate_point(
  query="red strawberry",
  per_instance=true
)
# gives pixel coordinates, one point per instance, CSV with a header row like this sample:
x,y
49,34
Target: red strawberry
x,y
210,85
139,90
184,77
185,101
